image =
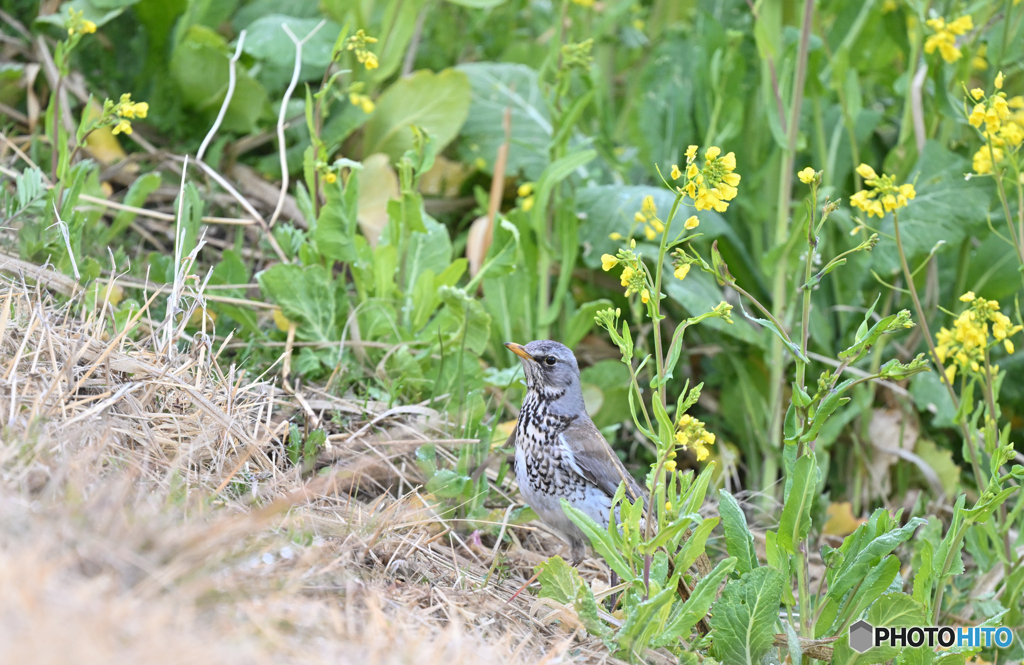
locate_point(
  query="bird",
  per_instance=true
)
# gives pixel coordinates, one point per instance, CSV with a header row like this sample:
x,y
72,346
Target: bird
x,y
559,452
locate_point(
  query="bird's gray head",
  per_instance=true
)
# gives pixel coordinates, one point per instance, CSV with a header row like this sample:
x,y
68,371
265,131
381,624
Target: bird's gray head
x,y
550,368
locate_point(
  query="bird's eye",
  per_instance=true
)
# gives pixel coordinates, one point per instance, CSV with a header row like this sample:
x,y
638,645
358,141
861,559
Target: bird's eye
x,y
550,360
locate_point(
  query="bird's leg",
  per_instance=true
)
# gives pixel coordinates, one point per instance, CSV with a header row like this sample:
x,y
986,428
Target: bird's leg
x,y
522,588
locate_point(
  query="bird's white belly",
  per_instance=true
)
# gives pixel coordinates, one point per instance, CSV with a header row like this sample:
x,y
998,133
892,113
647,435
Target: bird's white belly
x,y
584,496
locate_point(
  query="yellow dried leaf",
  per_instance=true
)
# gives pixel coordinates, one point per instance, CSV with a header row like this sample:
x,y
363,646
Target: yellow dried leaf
x,y
841,521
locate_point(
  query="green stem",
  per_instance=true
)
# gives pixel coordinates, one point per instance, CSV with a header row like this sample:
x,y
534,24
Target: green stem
x,y
968,441
778,368
941,582
805,312
803,589
658,270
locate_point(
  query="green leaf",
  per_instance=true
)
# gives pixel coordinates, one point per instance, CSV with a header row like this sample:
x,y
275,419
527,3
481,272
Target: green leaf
x,y
555,173
336,225
439,103
431,250
796,513
892,610
745,616
600,540
695,544
306,296
497,87
199,65
478,4
582,321
683,619
558,580
739,542
266,40
464,319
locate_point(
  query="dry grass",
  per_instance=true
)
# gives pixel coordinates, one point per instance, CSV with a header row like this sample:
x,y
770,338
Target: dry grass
x,y
147,513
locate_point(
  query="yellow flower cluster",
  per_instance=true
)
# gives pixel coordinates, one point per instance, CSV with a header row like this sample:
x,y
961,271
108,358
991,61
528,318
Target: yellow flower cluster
x,y
945,36
525,193
77,24
358,43
882,194
1001,123
714,185
967,343
690,433
634,277
648,216
123,112
362,101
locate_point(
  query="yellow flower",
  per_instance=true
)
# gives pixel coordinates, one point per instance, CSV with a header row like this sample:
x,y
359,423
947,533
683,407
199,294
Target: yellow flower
x,y
670,466
527,204
608,262
985,158
645,296
330,178
648,207
866,172
977,93
122,126
962,25
968,297
615,235
584,3
1008,345
668,504
977,115
358,43
88,27
806,176
681,271
525,189
676,173
691,223
712,153
979,62
999,81
944,39
363,102
658,225
691,153
650,232
883,194
370,61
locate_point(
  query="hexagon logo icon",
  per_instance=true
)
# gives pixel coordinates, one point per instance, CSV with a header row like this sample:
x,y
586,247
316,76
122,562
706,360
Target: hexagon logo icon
x,y
861,636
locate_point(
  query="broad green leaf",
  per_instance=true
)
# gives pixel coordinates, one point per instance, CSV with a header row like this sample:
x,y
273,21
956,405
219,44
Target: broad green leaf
x,y
266,40
739,542
427,251
500,86
464,321
558,580
306,296
438,103
199,65
796,513
745,615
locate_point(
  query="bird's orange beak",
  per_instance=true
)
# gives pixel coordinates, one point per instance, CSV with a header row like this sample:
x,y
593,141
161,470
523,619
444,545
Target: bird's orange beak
x,y
519,350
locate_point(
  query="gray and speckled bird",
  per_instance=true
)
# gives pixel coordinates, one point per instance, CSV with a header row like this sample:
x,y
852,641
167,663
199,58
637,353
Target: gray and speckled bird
x,y
560,454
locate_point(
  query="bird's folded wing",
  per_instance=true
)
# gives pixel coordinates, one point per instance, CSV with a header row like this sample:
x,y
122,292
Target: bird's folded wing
x,y
596,461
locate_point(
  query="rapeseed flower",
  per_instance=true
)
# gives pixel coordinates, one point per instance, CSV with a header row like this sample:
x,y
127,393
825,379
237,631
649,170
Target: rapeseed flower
x,y
634,275
882,194
691,433
967,344
358,43
362,101
714,185
944,39
807,175
77,24
648,217
1000,124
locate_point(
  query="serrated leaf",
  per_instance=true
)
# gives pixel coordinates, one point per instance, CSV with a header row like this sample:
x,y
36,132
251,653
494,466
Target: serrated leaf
x,y
739,542
683,619
745,615
558,580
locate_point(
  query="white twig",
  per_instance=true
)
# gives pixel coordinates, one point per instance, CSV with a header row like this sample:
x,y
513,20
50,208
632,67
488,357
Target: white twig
x,y
917,107
227,99
284,108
